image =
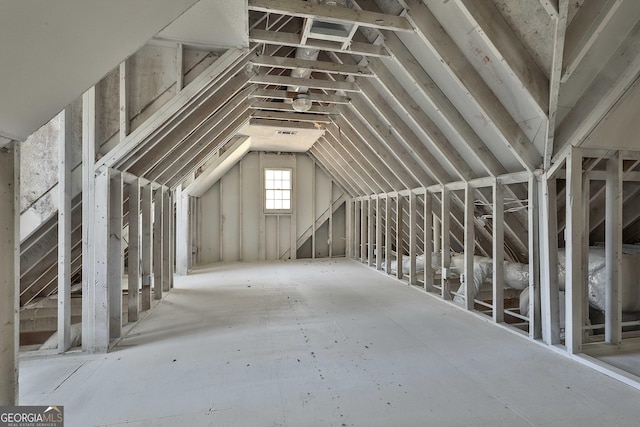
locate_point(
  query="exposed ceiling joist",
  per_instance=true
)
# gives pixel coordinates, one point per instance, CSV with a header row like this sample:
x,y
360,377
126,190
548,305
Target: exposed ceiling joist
x,y
269,79
321,66
315,97
280,124
471,84
293,40
332,14
281,106
299,117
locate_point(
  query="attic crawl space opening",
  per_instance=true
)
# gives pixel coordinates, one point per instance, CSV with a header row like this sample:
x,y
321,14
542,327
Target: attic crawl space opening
x,y
483,151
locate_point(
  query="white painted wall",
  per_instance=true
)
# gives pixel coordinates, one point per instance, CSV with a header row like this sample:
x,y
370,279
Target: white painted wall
x,y
230,213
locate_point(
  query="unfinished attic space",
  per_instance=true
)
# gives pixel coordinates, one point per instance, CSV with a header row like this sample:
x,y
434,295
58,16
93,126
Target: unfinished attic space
x,y
210,208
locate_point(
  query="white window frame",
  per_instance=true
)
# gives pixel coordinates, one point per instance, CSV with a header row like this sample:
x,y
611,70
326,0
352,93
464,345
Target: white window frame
x,y
265,190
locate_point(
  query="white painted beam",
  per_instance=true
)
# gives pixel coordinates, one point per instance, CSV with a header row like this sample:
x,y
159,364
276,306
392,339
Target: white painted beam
x,y
167,213
469,248
363,230
429,234
371,236
498,252
281,106
535,252
64,231
158,266
413,237
333,14
318,66
293,40
88,218
379,233
549,289
147,246
115,254
124,85
560,29
134,274
574,282
613,252
10,277
445,242
275,80
399,232
617,76
387,234
471,84
99,304
283,94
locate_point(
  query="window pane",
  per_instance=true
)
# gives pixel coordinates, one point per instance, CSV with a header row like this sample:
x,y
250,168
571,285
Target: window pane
x,y
269,204
277,175
286,184
270,194
268,174
277,204
286,174
286,204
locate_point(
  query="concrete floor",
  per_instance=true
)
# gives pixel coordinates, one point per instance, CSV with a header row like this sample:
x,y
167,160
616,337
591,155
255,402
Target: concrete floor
x,y
320,343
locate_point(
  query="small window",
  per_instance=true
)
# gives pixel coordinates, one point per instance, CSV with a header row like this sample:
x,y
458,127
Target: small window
x,y
277,187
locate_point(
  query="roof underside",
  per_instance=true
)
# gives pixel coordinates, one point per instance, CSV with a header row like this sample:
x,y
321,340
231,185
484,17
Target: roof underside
x,y
405,94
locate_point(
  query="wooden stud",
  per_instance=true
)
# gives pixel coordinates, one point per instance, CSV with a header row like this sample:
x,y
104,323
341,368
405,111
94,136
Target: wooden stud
x,y
535,321
179,68
157,244
379,234
549,289
134,273
88,218
613,251
125,123
100,303
64,232
363,230
371,233
167,213
388,234
469,248
429,234
498,252
115,254
399,231
445,239
413,238
147,246
10,278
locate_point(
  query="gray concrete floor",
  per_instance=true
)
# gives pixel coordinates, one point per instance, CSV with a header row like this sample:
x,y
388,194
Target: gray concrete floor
x,y
320,343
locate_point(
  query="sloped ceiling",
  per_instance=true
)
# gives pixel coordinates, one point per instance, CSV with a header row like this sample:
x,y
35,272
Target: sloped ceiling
x,y
410,93
53,51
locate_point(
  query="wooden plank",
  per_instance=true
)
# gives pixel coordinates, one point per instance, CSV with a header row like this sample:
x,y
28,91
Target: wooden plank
x,y
379,234
179,68
10,278
613,252
549,289
363,230
281,106
498,252
293,40
134,273
100,307
428,242
286,124
399,231
387,234
147,246
276,80
158,266
371,236
445,239
280,116
574,285
64,231
167,212
413,237
124,101
469,248
283,94
535,321
115,255
319,66
559,33
332,14
88,218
